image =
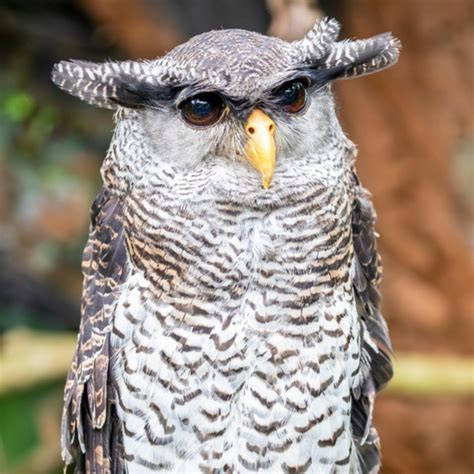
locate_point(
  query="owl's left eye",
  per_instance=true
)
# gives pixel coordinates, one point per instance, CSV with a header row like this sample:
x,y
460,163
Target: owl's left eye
x,y
202,110
292,96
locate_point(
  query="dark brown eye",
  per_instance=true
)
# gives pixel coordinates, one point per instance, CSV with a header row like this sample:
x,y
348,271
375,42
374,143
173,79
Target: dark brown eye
x,y
292,96
202,110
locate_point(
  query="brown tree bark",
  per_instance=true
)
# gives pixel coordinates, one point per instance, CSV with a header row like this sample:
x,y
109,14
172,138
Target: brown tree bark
x,y
409,123
291,19
141,31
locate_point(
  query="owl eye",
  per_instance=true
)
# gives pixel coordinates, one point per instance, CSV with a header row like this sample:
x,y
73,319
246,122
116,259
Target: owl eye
x,y
292,96
202,110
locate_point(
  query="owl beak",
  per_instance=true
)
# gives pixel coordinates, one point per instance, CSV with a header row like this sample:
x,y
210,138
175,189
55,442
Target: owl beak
x,y
260,147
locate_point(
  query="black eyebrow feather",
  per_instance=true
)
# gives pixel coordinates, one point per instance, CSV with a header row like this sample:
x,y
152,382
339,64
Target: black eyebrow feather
x,y
317,78
134,93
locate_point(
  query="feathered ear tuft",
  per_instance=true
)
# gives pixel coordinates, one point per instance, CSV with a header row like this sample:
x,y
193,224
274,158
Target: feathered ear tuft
x,y
317,42
329,59
361,57
127,83
91,82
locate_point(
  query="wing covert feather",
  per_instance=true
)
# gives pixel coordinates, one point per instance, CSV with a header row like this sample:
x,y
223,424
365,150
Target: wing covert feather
x,y
376,365
89,425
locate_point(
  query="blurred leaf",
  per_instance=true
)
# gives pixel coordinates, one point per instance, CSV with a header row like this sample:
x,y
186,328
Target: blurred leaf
x,y
18,106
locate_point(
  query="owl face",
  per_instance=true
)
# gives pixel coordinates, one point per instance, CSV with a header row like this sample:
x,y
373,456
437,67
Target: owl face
x,y
268,146
229,111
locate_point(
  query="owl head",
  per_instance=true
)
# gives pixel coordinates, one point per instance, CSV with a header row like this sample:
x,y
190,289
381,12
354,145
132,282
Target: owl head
x,y
230,111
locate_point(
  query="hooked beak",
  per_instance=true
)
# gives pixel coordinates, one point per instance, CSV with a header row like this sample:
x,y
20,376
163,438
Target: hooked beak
x,y
260,147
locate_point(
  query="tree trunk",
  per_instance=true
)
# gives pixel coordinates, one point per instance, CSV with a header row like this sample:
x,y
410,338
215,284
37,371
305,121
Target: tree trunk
x,y
412,124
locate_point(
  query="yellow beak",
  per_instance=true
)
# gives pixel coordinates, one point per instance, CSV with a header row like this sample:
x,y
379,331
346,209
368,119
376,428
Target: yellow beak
x,y
260,148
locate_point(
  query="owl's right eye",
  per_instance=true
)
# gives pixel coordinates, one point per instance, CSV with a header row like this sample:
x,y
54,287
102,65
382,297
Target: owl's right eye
x,y
202,110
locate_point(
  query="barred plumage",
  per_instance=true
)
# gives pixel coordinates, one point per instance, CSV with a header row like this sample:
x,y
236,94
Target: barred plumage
x,y
226,327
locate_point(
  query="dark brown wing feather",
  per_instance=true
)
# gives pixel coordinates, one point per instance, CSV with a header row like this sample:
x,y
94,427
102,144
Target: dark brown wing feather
x,y
377,367
89,426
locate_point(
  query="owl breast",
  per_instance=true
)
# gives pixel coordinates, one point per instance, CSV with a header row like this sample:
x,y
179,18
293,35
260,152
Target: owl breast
x,y
236,337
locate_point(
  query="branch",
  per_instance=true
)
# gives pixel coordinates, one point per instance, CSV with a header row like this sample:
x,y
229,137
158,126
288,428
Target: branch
x,y
31,357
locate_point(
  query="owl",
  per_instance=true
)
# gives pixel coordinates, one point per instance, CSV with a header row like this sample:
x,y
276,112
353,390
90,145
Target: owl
x,y
230,310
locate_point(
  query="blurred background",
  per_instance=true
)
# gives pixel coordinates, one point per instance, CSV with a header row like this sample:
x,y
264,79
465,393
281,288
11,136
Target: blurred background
x,y
414,127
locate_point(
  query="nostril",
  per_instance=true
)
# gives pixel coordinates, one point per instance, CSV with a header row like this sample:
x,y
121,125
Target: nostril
x,y
251,130
271,128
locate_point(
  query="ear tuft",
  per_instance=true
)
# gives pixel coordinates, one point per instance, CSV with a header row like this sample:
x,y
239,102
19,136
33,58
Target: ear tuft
x,y
330,59
318,40
362,57
96,83
85,80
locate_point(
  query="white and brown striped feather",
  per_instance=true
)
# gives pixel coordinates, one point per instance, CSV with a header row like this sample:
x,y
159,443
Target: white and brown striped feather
x,y
221,372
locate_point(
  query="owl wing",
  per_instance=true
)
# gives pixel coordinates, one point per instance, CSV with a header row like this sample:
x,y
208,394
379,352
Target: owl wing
x,y
376,366
89,432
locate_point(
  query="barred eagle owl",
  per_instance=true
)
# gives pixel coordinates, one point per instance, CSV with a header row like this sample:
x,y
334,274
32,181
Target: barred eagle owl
x,y
230,311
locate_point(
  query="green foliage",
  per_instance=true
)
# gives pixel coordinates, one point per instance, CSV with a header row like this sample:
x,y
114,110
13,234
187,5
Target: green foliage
x,y
11,316
50,154
21,433
17,106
